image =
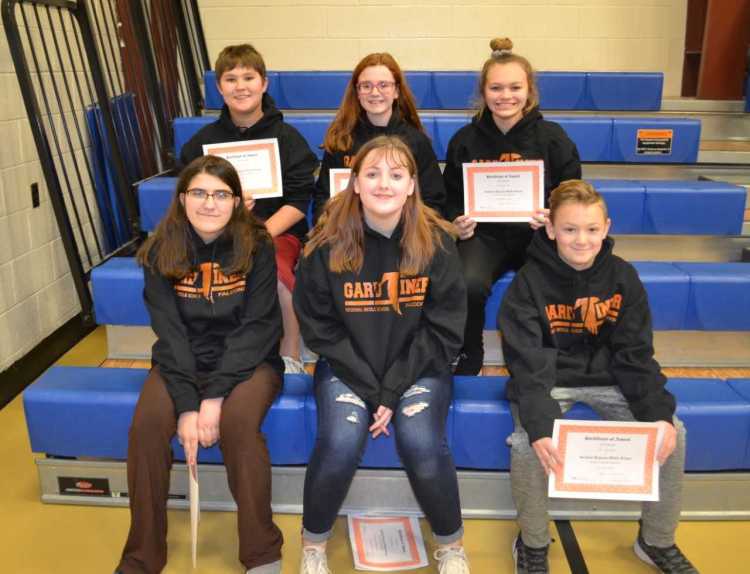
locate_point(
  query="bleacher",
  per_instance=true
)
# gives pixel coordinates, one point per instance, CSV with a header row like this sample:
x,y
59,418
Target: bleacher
x,y
66,403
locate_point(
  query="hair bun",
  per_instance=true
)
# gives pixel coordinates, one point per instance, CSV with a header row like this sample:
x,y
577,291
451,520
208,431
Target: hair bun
x,y
501,44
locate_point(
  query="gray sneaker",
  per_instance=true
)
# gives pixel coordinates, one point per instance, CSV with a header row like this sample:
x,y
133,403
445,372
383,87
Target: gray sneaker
x,y
670,560
529,560
313,561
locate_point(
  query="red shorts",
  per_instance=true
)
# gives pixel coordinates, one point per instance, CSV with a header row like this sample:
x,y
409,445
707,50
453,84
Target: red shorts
x,y
287,248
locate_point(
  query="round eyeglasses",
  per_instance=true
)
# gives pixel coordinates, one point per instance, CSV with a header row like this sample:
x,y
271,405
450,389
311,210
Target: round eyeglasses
x,y
383,87
219,195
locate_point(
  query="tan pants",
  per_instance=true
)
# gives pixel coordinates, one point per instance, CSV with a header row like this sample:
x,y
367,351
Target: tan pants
x,y
245,456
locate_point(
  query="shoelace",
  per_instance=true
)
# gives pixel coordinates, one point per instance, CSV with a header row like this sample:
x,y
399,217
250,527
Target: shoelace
x,y
673,559
314,561
452,561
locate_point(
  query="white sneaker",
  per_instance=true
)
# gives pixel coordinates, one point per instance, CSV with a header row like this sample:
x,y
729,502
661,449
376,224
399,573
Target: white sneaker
x,y
272,568
313,561
452,560
293,366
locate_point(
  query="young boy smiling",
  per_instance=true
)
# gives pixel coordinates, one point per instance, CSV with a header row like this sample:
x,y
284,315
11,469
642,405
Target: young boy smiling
x,y
576,327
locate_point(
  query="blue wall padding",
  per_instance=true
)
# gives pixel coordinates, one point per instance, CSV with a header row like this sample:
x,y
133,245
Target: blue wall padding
x,y
696,207
592,135
719,296
717,419
625,200
154,197
686,135
454,90
742,388
624,90
117,286
492,307
562,90
667,288
184,128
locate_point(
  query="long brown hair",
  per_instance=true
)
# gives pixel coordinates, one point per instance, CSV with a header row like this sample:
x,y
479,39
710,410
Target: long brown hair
x,y
341,225
502,54
339,134
169,251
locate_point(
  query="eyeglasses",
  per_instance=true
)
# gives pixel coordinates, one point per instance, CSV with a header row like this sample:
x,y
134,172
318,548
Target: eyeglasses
x,y
367,87
219,196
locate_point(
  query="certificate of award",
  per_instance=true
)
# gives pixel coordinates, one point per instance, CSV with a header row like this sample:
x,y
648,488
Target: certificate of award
x,y
257,163
339,179
606,460
386,543
503,191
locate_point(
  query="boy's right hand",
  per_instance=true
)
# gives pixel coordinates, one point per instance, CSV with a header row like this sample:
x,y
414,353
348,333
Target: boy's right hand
x,y
547,454
465,226
248,200
187,434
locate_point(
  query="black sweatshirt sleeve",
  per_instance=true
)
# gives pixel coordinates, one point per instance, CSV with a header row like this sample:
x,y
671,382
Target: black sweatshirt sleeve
x,y
259,328
564,159
190,150
171,352
298,167
323,185
633,365
453,181
439,335
532,366
431,185
324,333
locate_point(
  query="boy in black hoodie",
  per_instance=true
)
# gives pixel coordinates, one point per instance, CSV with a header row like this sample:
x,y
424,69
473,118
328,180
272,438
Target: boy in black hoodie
x,y
576,327
249,113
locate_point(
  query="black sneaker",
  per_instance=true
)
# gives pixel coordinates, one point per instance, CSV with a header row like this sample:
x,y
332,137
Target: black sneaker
x,y
529,560
469,364
670,560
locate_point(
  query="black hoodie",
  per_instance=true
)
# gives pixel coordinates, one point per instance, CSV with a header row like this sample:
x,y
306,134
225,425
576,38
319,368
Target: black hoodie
x,y
213,330
297,160
531,138
431,186
381,331
567,328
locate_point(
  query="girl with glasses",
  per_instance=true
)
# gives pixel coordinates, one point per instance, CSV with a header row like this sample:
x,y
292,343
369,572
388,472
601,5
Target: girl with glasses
x,y
377,102
210,290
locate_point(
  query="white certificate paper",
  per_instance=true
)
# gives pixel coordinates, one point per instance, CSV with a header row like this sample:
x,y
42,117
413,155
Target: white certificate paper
x,y
503,191
606,460
339,179
386,543
195,511
257,162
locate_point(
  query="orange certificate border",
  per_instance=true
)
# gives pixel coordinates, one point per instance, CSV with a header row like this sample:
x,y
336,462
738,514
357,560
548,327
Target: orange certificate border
x,y
405,521
250,145
337,175
475,168
565,430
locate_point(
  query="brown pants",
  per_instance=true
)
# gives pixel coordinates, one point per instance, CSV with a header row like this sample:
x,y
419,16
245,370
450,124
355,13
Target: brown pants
x,y
245,457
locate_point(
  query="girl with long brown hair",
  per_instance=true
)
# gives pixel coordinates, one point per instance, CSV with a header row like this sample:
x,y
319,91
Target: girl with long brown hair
x,y
210,290
380,298
378,101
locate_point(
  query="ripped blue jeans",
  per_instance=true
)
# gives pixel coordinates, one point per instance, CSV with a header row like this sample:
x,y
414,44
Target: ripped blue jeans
x,y
419,425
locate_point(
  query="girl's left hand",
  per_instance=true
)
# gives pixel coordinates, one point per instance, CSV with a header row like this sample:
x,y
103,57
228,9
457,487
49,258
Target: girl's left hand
x,y
540,217
382,418
668,443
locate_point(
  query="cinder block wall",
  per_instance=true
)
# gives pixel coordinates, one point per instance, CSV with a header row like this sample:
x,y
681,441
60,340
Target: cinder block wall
x,y
590,35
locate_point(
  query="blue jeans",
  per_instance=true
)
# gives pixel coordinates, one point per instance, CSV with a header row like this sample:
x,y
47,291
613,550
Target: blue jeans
x,y
419,423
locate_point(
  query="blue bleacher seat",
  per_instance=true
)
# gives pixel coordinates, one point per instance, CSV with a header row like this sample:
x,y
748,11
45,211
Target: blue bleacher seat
x,y
454,90
625,201
742,388
66,403
154,197
445,128
633,140
719,296
624,90
562,90
185,128
420,83
492,307
592,135
717,419
667,288
312,90
117,287
313,128
694,207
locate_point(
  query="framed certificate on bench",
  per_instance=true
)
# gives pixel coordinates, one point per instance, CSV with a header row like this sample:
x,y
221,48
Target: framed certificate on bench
x,y
503,191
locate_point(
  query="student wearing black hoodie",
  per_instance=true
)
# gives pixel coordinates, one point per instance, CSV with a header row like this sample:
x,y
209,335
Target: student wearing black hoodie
x,y
249,113
508,127
378,102
576,327
210,290
381,299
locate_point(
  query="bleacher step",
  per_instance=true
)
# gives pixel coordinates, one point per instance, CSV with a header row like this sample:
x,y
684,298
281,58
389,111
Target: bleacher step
x,y
718,496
